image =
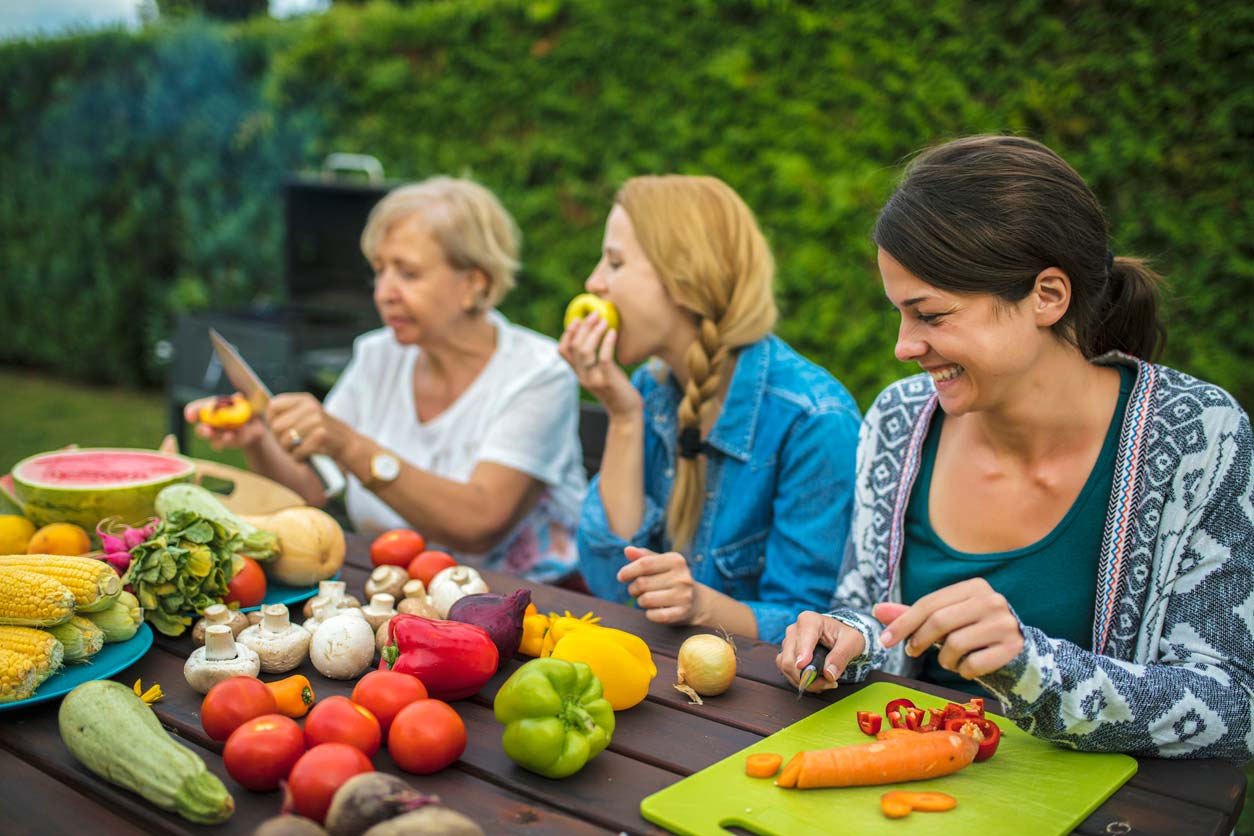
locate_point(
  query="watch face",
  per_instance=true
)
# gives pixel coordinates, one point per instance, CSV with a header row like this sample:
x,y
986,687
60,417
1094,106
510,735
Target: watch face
x,y
385,467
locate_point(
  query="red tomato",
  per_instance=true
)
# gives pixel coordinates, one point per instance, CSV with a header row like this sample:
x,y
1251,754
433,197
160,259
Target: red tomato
x,y
396,547
427,565
233,702
260,753
248,587
340,720
385,693
426,736
319,773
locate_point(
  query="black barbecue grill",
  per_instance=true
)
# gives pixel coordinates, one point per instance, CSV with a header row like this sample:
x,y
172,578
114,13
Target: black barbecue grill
x,y
303,344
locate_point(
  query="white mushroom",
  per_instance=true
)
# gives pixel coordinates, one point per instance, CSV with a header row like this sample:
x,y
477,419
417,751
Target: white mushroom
x,y
219,614
379,610
323,608
281,644
221,658
342,647
387,579
337,591
454,583
416,600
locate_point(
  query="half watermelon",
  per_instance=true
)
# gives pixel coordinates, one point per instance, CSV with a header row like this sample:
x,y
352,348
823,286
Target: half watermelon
x,y
86,486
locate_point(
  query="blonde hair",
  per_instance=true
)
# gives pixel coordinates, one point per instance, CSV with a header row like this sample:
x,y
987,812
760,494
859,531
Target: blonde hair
x,y
468,222
706,247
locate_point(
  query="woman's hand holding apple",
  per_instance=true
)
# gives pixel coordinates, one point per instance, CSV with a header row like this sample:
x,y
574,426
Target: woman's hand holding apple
x,y
588,345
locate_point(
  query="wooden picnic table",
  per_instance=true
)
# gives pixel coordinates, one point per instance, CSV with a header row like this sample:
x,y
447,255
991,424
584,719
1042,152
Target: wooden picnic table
x,y
43,789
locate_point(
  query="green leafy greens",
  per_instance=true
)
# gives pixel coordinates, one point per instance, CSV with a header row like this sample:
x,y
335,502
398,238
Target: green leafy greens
x,y
181,569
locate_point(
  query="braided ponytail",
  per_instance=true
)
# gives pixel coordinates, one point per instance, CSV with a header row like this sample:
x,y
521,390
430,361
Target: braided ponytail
x,y
707,358
706,247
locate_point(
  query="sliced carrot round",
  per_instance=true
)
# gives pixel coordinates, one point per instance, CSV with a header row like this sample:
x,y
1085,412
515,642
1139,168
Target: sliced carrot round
x,y
763,764
924,802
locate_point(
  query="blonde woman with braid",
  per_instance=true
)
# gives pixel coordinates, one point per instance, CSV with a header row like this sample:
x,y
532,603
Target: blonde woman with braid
x,y
726,484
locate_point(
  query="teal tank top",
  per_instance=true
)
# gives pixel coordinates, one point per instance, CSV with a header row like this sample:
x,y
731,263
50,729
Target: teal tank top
x,y
1051,584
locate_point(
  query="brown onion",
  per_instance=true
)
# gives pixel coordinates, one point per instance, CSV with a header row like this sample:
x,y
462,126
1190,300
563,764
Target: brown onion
x,y
707,666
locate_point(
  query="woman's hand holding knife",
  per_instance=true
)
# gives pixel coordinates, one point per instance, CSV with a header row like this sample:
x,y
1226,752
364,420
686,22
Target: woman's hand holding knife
x,y
806,646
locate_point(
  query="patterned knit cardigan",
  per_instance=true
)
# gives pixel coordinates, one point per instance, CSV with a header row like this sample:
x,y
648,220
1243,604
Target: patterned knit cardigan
x,y
1175,586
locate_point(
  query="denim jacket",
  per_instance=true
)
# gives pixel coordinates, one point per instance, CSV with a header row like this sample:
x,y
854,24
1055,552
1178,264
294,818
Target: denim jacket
x,y
779,488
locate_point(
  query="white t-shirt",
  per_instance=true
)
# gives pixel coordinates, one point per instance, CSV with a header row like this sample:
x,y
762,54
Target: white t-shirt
x,y
522,411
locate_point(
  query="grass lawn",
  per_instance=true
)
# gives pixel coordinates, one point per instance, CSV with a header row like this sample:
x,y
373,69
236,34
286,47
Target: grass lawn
x,y
43,414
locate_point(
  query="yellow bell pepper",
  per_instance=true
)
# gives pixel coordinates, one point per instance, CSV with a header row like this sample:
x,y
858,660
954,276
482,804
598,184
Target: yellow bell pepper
x,y
619,659
560,625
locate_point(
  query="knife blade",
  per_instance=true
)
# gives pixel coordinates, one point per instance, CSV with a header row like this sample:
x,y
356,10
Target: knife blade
x,y
241,375
244,379
811,671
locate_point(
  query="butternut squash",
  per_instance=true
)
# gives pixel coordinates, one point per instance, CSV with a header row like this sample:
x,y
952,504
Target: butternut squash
x,y
311,545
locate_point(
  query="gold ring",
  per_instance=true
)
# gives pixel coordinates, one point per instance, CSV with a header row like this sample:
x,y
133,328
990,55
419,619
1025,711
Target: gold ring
x,y
294,437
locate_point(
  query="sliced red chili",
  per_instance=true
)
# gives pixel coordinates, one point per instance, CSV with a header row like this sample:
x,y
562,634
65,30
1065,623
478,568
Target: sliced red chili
x,y
974,707
985,731
895,711
870,722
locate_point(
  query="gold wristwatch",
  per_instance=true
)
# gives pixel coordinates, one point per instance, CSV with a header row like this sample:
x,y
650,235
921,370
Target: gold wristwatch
x,y
384,468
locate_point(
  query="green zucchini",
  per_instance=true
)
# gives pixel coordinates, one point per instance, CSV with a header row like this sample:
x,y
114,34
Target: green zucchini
x,y
119,738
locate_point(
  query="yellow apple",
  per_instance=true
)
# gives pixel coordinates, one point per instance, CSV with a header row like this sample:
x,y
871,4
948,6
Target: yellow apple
x,y
588,303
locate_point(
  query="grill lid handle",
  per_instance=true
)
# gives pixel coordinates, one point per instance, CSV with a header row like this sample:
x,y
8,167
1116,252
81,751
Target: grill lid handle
x,y
364,163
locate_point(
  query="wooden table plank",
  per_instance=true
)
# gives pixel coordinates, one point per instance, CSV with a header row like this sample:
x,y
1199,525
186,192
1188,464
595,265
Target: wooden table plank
x,y
36,804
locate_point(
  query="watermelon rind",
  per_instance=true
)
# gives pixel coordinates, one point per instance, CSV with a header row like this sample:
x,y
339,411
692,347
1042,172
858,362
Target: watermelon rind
x,y
85,505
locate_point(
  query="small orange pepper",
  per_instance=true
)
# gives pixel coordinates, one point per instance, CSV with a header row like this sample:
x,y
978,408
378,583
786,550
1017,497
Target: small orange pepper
x,y
292,696
228,412
535,627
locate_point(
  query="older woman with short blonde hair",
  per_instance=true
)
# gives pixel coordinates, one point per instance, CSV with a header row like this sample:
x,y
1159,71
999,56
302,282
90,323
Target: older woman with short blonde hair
x,y
450,419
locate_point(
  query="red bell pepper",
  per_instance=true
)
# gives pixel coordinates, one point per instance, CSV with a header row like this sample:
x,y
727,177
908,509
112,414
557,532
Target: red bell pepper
x,y
985,731
870,722
897,713
453,659
974,707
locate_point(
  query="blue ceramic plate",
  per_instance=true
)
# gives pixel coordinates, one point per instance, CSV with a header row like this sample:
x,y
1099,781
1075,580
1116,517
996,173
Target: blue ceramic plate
x,y
278,593
111,659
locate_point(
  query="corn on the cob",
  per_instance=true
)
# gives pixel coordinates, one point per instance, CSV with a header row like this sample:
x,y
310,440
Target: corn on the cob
x,y
29,599
39,646
17,676
94,583
80,637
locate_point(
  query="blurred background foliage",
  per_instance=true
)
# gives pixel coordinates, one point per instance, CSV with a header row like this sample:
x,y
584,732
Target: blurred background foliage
x,y
141,173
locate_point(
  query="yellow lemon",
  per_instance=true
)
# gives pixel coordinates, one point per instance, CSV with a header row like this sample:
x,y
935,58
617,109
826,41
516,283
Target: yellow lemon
x,y
588,303
15,533
59,538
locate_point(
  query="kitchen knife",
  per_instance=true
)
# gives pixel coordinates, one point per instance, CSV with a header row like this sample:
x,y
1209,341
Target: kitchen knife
x,y
244,379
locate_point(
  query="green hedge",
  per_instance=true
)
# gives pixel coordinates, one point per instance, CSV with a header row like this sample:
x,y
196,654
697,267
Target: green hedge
x,y
140,176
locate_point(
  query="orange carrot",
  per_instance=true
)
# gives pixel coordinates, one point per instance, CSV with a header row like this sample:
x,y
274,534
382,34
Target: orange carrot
x,y
788,778
882,762
763,764
893,803
895,731
894,808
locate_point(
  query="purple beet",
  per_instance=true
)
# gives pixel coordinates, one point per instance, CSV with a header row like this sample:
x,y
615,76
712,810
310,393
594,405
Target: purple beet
x,y
500,615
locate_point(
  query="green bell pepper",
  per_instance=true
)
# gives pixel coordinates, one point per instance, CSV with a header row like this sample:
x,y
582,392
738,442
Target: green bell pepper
x,y
554,716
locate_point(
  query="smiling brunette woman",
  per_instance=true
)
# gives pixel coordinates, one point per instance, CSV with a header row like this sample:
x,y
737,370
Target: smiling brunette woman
x,y
1044,515
450,419
725,487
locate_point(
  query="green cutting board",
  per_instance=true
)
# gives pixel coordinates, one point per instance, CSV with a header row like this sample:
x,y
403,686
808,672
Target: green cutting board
x,y
1030,787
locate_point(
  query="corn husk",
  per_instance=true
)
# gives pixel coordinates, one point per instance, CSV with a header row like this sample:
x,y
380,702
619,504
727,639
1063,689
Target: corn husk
x,y
80,637
120,621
